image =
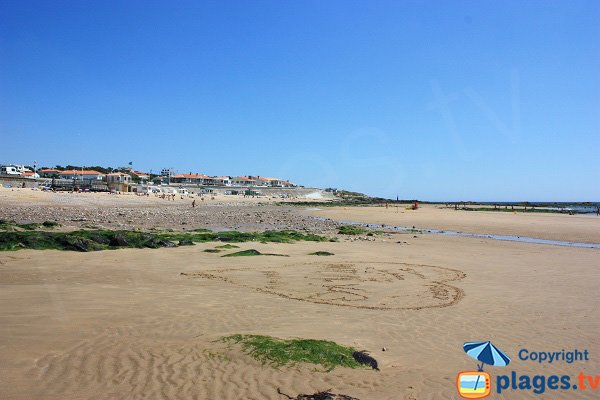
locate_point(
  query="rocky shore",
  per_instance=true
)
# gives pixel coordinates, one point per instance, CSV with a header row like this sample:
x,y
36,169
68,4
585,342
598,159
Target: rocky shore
x,y
242,217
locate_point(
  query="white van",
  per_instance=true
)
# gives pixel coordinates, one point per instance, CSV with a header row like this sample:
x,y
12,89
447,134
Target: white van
x,y
9,170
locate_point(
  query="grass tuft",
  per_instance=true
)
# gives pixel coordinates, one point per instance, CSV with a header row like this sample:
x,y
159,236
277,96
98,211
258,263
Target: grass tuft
x,y
280,352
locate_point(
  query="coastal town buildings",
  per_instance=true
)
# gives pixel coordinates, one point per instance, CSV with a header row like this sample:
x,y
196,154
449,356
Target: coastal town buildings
x,y
127,176
30,174
118,181
188,178
49,173
219,180
142,177
167,173
118,177
84,175
243,181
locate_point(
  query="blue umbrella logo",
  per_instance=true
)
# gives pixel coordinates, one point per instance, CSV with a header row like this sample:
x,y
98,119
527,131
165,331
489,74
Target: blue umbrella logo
x,y
487,353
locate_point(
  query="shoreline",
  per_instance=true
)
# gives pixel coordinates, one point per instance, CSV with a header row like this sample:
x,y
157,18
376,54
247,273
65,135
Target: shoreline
x,y
544,226
508,238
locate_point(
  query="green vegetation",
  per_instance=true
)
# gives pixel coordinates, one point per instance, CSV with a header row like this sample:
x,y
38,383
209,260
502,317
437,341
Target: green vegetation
x,y
82,240
279,352
212,251
13,226
238,237
91,240
250,253
228,246
321,253
357,230
352,230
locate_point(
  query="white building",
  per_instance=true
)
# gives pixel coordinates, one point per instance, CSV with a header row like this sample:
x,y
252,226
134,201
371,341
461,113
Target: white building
x,y
118,177
243,181
84,175
30,174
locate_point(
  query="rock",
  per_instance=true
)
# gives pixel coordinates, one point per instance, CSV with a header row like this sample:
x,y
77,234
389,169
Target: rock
x,y
363,358
186,242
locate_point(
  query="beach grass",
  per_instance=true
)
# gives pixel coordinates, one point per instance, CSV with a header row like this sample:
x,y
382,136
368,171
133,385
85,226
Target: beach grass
x,y
279,352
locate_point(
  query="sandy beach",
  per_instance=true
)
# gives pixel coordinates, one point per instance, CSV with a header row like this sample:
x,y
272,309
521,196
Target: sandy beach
x,y
146,323
576,228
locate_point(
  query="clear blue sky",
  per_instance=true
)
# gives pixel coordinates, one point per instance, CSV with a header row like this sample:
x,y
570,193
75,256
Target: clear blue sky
x,y
423,99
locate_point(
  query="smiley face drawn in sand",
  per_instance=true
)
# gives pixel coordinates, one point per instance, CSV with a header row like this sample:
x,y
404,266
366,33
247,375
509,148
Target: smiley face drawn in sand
x,y
365,285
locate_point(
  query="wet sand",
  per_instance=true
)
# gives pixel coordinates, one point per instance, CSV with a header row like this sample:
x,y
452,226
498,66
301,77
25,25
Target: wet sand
x,y
563,227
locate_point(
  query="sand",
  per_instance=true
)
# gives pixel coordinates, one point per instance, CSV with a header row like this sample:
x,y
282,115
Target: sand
x,y
145,324
563,227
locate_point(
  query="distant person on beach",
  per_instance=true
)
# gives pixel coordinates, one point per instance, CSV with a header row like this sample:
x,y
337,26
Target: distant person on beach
x,y
194,203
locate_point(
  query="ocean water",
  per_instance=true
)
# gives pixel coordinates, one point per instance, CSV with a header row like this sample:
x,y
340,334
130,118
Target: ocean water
x,y
579,208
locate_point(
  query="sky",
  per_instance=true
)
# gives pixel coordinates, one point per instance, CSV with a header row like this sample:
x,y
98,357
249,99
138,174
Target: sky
x,y
434,100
